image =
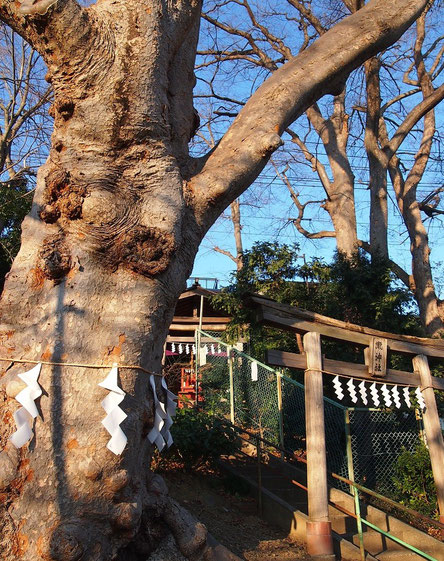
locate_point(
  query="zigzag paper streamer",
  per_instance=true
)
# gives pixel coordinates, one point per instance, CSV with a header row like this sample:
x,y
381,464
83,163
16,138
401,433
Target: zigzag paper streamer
x,y
396,397
219,350
24,416
406,394
180,348
386,395
352,390
173,347
170,412
213,350
363,393
420,399
193,349
374,394
338,387
187,349
160,433
114,414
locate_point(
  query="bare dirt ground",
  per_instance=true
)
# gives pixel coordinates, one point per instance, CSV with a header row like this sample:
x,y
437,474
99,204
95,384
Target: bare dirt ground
x,y
231,518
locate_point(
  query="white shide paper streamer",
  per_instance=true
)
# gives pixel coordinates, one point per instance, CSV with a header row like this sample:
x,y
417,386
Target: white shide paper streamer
x,y
386,395
406,393
114,414
163,413
24,416
374,394
352,390
338,387
396,397
363,393
420,399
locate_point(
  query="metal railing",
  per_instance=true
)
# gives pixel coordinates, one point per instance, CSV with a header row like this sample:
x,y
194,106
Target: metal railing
x,y
261,443
363,444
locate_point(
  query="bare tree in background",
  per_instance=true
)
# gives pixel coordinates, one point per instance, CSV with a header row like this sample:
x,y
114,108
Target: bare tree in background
x,y
25,128
389,118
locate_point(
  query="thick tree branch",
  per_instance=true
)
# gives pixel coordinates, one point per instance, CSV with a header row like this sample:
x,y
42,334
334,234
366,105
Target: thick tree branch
x,y
65,23
284,96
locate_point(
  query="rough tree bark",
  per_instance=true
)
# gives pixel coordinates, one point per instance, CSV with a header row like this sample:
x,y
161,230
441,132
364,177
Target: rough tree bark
x,y
340,204
119,211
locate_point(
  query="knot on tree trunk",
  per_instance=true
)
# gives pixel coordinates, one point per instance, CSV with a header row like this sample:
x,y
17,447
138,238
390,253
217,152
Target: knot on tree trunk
x,y
62,197
144,250
67,542
54,258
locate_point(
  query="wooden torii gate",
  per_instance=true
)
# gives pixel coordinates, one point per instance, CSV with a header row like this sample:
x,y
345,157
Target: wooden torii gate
x,y
375,344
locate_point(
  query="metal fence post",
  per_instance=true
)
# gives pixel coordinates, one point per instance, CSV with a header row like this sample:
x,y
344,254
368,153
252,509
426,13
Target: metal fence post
x,y
259,474
230,370
359,522
349,449
281,417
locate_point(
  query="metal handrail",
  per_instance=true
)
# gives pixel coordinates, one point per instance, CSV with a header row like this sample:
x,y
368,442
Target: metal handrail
x,y
360,520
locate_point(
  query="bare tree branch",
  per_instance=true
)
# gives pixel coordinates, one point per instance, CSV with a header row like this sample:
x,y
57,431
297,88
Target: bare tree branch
x,y
255,134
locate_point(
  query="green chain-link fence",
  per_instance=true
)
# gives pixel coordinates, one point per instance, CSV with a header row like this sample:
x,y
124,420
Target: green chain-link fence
x,y
362,444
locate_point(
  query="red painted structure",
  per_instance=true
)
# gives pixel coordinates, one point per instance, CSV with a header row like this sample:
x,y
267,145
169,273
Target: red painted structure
x,y
189,388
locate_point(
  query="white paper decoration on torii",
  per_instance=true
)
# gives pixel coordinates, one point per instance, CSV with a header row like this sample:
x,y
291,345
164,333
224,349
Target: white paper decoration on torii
x,y
396,397
338,387
363,393
163,417
352,390
374,394
24,416
391,395
420,399
386,395
406,393
114,414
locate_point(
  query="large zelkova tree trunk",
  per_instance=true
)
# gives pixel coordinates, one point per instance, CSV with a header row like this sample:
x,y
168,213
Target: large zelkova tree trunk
x,y
119,211
106,251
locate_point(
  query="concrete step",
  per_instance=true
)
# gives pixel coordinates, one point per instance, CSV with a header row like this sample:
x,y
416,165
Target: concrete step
x,y
404,555
288,502
376,543
343,525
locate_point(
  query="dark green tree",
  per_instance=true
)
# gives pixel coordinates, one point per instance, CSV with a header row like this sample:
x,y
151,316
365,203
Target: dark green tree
x,y
356,290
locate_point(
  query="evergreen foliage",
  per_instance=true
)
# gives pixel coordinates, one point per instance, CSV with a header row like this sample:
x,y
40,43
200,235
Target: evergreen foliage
x,y
359,291
413,482
15,203
200,439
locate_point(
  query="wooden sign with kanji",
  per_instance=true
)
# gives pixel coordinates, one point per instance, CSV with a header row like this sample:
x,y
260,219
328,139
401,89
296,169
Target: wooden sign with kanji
x,y
378,357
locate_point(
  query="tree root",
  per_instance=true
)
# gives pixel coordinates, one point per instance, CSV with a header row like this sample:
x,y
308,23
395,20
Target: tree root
x,y
191,536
